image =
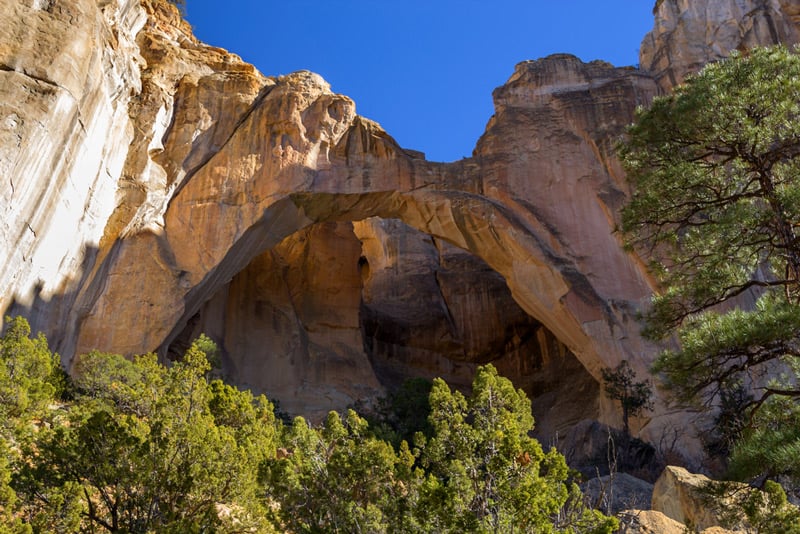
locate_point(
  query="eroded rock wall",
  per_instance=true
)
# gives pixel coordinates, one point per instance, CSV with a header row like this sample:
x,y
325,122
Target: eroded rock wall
x,y
69,72
688,34
155,187
288,323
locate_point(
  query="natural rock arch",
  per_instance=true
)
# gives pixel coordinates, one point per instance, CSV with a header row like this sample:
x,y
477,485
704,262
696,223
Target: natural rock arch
x,y
471,222
341,312
301,156
112,169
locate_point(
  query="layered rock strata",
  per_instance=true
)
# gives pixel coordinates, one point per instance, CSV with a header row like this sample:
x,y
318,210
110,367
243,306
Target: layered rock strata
x,y
155,187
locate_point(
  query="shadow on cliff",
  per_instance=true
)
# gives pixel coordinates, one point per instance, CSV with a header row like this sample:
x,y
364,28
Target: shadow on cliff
x,y
56,314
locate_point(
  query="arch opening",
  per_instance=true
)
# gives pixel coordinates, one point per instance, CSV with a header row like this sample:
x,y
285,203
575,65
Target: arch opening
x,y
206,245
342,311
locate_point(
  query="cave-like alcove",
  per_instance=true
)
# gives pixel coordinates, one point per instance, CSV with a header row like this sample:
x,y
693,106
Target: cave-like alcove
x,y
341,312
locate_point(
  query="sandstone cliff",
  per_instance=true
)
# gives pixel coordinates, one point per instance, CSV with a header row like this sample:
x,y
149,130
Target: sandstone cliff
x,y
688,34
155,187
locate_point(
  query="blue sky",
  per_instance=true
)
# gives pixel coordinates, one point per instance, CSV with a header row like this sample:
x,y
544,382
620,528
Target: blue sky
x,y
425,70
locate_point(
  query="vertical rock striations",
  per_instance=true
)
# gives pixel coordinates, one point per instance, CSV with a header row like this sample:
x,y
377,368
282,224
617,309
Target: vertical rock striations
x,y
688,34
69,71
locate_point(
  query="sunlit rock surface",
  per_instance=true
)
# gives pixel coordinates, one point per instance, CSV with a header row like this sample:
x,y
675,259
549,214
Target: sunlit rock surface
x,y
683,496
69,74
653,522
155,187
688,34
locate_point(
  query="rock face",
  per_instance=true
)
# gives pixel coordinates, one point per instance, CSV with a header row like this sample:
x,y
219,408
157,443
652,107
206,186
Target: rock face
x,y
688,34
653,522
155,187
685,497
678,495
615,493
648,522
69,74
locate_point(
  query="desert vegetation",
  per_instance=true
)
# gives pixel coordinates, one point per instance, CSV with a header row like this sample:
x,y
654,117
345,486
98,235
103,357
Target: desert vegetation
x,y
131,445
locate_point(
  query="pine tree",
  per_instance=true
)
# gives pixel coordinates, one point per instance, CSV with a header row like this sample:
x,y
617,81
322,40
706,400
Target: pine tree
x,y
148,448
715,169
486,474
634,397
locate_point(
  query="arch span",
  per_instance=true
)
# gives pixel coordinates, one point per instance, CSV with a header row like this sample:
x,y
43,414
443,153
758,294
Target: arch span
x,y
182,264
301,156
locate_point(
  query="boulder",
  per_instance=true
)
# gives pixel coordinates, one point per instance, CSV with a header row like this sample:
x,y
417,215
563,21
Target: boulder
x,y
614,493
648,522
654,522
685,497
678,494
597,449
